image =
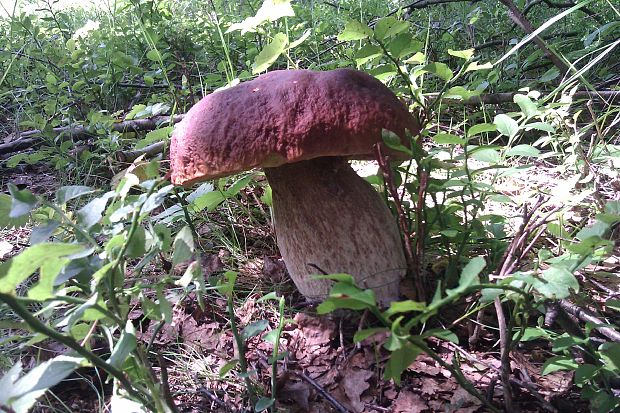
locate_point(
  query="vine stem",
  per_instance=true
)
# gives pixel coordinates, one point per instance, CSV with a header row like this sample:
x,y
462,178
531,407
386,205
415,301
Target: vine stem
x,y
37,326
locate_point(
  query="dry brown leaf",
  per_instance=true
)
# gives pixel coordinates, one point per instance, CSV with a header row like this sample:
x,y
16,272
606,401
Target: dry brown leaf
x,y
408,402
299,392
354,383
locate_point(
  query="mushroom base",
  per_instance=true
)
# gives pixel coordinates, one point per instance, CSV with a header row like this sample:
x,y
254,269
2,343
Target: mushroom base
x,y
329,219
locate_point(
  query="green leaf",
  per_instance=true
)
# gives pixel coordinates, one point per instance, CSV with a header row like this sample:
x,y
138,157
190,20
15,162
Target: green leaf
x,y
367,53
388,27
542,126
22,393
343,278
400,360
558,363
6,202
227,367
238,185
344,295
91,213
263,404
125,346
549,75
301,39
270,11
613,304
485,154
523,150
403,45
469,275
22,202
404,307
270,53
67,193
354,30
556,283
254,329
474,66
137,247
183,246
361,335
153,55
208,201
440,70
528,107
463,54
506,125
481,128
393,142
448,139
44,287
611,355
585,373
22,266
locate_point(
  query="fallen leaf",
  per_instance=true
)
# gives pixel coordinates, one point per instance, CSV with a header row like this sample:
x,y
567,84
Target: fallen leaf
x,y
354,383
408,402
299,392
5,249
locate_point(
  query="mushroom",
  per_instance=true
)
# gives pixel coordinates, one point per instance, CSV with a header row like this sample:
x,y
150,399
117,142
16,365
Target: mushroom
x,y
302,127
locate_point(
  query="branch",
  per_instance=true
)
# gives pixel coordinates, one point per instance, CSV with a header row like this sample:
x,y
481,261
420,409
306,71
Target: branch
x,y
522,21
80,132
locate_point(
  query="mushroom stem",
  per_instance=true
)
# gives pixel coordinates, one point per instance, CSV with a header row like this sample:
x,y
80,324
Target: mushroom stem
x,y
329,218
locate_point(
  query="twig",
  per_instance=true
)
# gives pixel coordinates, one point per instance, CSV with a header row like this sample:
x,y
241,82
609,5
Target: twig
x,y
504,345
587,317
335,403
410,255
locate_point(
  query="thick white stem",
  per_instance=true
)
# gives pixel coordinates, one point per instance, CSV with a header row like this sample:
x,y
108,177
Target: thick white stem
x,y
329,218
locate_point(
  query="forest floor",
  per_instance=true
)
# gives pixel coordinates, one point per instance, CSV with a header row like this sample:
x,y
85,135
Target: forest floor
x,y
323,370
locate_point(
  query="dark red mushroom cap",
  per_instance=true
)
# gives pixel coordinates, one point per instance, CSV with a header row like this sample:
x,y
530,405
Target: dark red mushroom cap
x,y
282,117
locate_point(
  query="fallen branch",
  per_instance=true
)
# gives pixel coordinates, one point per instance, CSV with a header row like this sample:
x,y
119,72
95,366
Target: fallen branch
x,y
507,97
587,317
80,132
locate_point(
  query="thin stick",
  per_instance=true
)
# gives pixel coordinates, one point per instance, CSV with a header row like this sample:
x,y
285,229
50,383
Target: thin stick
x,y
335,403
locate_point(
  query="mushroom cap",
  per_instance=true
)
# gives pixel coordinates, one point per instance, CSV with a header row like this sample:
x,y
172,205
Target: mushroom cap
x,y
285,116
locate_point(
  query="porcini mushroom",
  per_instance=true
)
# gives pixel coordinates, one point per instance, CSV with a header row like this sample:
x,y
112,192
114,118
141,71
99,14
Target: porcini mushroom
x,y
302,127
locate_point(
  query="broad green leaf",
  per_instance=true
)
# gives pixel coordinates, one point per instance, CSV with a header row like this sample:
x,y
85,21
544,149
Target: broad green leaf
x,y
238,185
208,201
23,392
400,360
585,373
613,304
44,287
481,128
137,247
67,193
463,54
484,154
354,30
393,141
469,275
153,136
254,329
558,363
270,53
474,66
153,55
22,266
448,139
344,295
549,75
301,39
361,335
124,347
41,233
506,125
22,202
183,246
403,45
343,278
91,213
542,126
528,107
556,283
440,70
367,53
523,150
389,26
459,92
404,307
6,202
611,355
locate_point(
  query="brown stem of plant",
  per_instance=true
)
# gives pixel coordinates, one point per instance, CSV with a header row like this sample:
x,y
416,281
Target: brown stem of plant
x,y
410,254
504,345
522,21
